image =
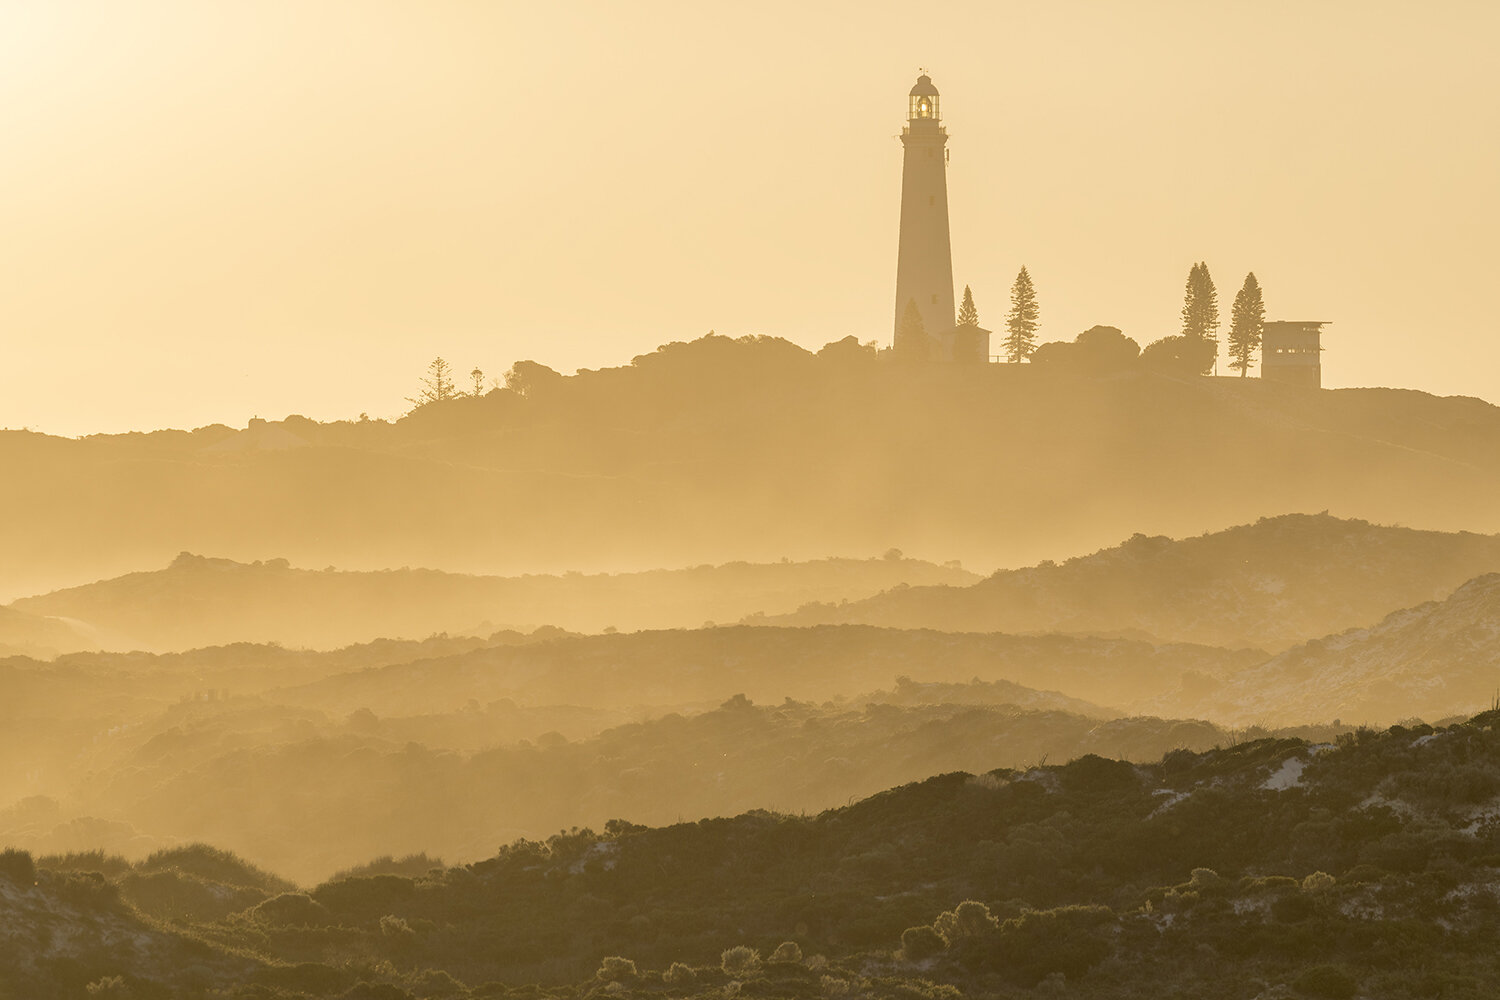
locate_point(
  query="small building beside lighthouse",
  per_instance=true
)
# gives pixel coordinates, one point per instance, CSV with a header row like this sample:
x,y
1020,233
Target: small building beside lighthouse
x,y
1291,351
924,262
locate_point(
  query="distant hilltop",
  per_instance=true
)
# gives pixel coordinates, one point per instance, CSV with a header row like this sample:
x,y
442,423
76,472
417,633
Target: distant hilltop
x,y
1272,584
204,601
752,449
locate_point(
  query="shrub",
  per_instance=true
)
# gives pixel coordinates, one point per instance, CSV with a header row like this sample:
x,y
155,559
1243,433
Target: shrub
x,y
1070,940
357,900
17,866
739,960
835,987
307,977
787,951
921,943
291,909
1292,909
173,895
969,919
437,983
89,889
410,866
375,991
1092,774
1179,356
1099,350
1318,882
108,865
614,968
1328,981
1206,878
392,926
680,975
214,865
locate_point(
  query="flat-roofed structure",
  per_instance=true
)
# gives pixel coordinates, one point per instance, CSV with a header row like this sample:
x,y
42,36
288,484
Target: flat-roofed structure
x,y
1291,351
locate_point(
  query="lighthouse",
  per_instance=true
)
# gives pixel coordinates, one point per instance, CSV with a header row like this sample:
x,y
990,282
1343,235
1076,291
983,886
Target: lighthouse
x,y
924,264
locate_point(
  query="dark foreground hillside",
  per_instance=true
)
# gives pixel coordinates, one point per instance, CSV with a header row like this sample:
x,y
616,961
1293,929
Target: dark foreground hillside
x,y
753,449
1366,867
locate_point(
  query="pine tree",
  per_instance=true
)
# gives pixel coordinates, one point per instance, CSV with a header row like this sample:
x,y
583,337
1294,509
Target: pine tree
x,y
911,337
1189,303
477,377
437,385
967,314
1200,306
1247,318
1021,321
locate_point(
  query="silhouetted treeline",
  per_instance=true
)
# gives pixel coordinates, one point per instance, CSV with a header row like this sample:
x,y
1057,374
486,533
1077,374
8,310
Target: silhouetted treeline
x,y
751,449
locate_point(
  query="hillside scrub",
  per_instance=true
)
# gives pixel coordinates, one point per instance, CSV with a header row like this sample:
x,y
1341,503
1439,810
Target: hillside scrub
x,y
382,793
1117,880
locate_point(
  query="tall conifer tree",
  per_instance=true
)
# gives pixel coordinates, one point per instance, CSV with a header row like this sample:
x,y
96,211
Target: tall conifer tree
x,y
437,385
911,338
967,314
1021,322
1200,306
1247,319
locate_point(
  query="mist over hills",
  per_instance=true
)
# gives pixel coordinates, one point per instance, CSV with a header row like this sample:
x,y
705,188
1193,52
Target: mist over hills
x,y
695,668
198,601
1271,584
1436,659
445,744
307,762
307,796
752,449
23,634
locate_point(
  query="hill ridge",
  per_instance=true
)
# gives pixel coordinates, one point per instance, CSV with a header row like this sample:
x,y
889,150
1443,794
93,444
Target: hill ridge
x,y
206,600
756,450
1272,583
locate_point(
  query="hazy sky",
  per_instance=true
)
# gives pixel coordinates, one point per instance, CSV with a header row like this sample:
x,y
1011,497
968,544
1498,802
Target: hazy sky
x,y
215,210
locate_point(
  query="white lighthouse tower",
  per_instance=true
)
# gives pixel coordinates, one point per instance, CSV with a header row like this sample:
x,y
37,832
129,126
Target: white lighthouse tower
x,y
924,266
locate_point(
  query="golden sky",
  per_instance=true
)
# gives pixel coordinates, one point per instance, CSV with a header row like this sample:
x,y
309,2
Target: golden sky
x,y
216,210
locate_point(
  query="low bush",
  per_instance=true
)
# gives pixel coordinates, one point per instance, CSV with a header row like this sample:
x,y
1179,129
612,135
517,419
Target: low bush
x,y
615,969
17,866
921,943
1326,981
